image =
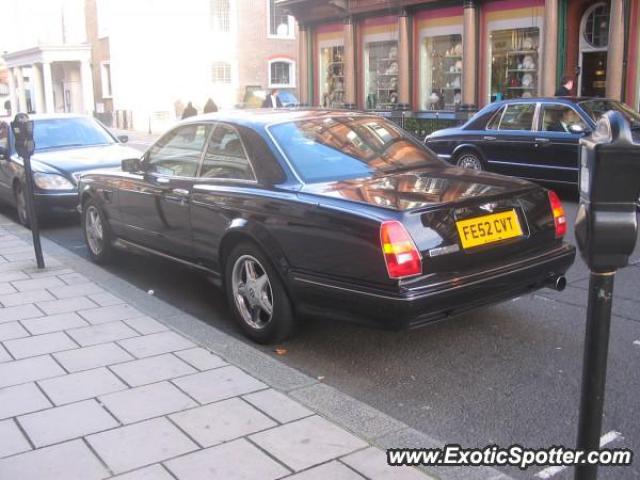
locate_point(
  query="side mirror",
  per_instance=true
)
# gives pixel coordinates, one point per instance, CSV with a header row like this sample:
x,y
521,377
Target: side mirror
x,y
123,138
131,165
578,129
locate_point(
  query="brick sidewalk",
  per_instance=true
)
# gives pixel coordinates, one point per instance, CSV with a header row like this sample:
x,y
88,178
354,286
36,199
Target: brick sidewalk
x,y
91,388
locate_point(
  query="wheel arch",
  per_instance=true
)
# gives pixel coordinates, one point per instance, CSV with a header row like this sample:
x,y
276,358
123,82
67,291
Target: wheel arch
x,y
463,147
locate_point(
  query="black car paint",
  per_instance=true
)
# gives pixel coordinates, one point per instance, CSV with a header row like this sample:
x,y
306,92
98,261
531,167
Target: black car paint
x,y
541,156
324,239
61,161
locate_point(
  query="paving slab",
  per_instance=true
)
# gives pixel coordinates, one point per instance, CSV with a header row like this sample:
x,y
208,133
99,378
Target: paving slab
x,y
12,440
230,461
66,305
4,355
201,358
154,472
52,463
111,313
222,421
163,342
307,442
37,284
22,298
11,330
94,356
59,424
146,325
39,345
218,384
28,370
20,312
82,385
146,402
53,323
105,299
372,463
104,333
71,291
152,369
130,447
21,399
277,405
332,470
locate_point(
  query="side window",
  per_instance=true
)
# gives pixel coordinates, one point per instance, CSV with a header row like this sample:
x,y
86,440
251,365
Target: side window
x,y
559,118
518,116
178,153
226,156
495,120
4,135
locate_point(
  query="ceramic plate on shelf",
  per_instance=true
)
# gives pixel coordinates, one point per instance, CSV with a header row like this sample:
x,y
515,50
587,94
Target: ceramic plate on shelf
x,y
527,80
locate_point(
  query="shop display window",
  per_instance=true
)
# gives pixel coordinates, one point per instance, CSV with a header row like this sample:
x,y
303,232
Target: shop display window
x,y
441,72
332,76
515,64
381,75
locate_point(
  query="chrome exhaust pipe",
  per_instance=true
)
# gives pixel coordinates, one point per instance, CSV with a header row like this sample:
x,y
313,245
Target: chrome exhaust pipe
x,y
558,283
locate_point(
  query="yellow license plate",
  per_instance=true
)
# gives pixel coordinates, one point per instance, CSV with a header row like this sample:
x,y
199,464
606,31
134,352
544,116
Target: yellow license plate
x,y
488,229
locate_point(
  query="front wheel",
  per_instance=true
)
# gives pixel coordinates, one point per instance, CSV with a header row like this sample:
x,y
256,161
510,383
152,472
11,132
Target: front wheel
x,y
20,197
257,296
96,232
470,160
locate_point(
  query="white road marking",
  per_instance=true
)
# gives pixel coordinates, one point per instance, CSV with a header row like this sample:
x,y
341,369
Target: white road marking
x,y
637,343
604,440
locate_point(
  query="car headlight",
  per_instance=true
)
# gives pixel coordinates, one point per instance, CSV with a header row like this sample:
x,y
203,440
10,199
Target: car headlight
x,y
51,181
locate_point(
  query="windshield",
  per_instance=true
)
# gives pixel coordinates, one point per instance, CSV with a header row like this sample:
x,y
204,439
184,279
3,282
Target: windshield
x,y
69,132
339,148
596,108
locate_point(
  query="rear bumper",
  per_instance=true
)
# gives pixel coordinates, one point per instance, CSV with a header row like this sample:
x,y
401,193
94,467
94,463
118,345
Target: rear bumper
x,y
430,298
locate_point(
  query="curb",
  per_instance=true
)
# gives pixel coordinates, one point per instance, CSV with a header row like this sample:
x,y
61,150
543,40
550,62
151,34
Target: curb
x,y
370,424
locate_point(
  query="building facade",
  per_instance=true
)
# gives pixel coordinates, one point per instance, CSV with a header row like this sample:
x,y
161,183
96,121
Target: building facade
x,y
138,64
442,56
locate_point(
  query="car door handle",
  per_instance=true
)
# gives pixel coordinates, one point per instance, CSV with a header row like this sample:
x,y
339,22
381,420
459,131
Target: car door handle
x,y
162,180
488,137
542,140
181,191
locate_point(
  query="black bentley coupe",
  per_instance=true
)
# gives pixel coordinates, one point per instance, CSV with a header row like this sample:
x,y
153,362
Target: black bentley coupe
x,y
531,138
327,213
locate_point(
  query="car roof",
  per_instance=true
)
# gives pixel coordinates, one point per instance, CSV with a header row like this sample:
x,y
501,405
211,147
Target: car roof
x,y
263,117
568,100
47,116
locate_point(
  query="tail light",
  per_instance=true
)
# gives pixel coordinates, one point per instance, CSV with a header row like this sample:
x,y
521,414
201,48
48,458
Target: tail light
x,y
400,253
559,217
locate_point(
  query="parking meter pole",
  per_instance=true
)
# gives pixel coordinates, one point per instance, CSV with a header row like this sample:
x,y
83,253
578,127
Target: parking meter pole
x,y
594,368
31,211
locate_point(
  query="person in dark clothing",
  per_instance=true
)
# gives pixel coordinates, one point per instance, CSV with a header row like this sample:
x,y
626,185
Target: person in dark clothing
x,y
189,111
272,100
566,85
210,107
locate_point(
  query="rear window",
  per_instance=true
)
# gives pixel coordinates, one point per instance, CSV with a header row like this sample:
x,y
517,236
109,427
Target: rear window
x,y
518,116
338,148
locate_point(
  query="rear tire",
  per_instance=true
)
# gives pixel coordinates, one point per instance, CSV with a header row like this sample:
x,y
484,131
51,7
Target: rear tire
x,y
96,231
469,159
257,296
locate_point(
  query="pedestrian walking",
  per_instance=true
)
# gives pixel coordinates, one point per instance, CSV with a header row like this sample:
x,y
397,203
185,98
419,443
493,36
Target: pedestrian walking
x,y
189,111
272,100
210,106
566,85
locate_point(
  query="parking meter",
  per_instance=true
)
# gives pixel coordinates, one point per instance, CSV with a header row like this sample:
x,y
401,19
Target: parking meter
x,y
606,231
607,225
25,146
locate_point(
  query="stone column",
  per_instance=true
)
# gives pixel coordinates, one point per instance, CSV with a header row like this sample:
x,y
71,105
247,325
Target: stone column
x,y
38,96
550,53
470,65
22,98
350,100
615,55
13,97
48,88
303,65
86,77
404,60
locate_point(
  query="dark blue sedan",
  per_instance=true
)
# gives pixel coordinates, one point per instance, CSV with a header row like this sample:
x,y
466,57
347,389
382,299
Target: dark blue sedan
x,y
531,138
66,146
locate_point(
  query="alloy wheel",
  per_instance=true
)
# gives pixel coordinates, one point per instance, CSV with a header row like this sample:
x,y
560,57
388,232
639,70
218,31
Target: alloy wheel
x,y
252,292
94,230
469,160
